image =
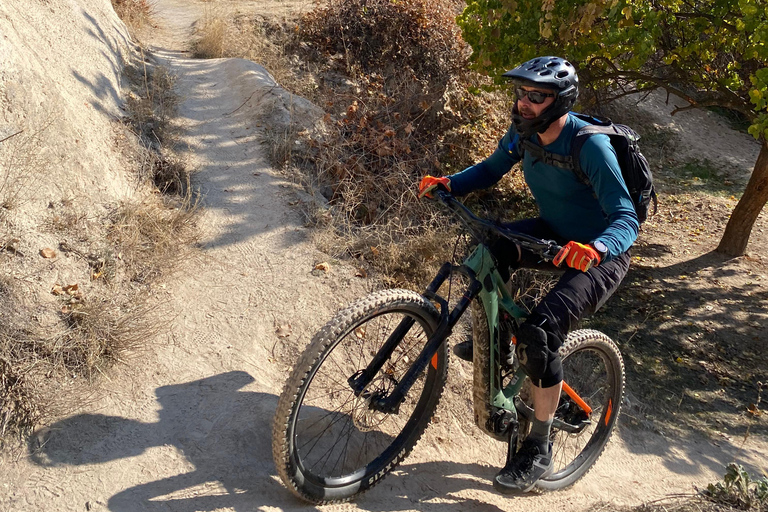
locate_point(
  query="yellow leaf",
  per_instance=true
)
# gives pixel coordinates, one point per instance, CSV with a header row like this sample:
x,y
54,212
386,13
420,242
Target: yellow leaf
x,y
325,267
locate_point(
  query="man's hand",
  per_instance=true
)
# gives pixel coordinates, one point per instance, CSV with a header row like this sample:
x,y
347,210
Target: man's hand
x,y
430,183
578,256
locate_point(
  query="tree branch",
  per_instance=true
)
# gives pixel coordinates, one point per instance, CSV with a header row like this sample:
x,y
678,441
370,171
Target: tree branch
x,y
722,98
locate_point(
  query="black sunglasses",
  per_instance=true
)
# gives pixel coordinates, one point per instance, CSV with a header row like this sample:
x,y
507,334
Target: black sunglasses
x,y
535,97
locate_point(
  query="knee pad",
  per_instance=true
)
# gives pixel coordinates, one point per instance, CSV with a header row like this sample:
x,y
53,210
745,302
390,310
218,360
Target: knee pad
x,y
532,351
537,357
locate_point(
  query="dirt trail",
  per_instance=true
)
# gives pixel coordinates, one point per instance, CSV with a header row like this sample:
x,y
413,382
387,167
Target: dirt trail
x,y
186,425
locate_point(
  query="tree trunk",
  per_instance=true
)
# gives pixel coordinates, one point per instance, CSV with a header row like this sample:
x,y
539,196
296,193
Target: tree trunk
x,y
736,235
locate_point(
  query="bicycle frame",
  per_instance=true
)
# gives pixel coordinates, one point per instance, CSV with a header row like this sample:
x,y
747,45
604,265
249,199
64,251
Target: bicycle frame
x,y
485,283
496,406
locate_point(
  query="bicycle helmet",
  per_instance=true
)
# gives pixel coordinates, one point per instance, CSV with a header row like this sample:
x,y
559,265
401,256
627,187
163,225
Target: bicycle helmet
x,y
553,73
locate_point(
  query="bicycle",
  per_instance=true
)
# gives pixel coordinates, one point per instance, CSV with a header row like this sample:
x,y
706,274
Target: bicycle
x,y
365,388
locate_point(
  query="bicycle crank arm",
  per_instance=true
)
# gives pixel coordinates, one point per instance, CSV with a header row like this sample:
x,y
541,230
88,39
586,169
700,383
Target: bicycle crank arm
x,y
572,428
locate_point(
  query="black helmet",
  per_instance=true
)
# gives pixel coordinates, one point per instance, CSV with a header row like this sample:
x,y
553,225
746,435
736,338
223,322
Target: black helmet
x,y
553,73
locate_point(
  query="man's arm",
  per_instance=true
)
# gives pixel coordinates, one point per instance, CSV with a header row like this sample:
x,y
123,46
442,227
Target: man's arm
x,y
598,160
488,172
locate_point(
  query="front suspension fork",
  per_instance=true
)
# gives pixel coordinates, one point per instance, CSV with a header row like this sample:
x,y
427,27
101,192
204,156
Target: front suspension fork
x,y
391,404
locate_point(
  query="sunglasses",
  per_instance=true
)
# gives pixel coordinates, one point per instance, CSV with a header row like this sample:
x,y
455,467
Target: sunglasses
x,y
535,97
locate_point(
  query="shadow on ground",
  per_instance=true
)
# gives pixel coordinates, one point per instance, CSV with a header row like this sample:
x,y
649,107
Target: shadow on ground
x,y
693,335
225,434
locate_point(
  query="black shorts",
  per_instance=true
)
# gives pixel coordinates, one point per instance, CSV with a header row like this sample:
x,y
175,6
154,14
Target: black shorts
x,y
576,295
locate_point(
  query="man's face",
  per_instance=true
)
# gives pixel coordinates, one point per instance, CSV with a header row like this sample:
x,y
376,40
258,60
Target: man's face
x,y
527,108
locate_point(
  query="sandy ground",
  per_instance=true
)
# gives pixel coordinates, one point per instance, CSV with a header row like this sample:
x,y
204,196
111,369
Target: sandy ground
x,y
186,425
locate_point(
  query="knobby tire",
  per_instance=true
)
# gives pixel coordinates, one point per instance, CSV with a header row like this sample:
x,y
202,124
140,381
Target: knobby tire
x,y
593,367
328,445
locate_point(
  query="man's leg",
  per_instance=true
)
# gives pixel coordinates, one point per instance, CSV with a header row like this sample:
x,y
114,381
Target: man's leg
x,y
576,295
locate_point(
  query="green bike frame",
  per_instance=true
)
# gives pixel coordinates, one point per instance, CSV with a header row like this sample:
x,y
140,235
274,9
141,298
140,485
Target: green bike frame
x,y
489,394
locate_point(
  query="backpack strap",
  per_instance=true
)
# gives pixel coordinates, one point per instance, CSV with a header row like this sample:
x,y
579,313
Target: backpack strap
x,y
581,137
553,159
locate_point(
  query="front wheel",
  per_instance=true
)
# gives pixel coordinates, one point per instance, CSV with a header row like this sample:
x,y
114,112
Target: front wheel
x,y
330,444
594,369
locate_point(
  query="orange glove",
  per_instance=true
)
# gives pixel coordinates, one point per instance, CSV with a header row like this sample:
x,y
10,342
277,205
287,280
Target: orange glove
x,y
430,183
578,256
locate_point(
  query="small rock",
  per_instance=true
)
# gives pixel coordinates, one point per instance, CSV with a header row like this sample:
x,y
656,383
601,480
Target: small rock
x,y
47,253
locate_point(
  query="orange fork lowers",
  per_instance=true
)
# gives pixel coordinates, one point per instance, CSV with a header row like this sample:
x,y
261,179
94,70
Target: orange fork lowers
x,y
576,398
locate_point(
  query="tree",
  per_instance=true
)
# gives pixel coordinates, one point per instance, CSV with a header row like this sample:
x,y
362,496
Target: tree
x,y
708,52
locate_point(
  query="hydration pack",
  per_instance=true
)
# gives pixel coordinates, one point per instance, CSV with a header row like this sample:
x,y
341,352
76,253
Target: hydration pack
x,y
634,167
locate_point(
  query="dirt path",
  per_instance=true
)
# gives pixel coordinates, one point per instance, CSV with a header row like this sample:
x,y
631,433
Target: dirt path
x,y
186,425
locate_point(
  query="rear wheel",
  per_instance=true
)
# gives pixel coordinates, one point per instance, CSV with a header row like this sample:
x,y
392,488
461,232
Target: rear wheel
x,y
329,444
594,369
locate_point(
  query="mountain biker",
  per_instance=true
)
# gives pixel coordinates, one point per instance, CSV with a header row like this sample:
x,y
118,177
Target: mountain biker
x,y
596,223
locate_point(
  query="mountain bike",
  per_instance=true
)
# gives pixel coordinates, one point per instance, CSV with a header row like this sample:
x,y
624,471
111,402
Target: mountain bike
x,y
364,390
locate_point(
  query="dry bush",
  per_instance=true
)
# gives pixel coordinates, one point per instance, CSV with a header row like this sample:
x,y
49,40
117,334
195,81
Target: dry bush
x,y
384,37
152,237
401,104
22,164
211,36
151,103
136,14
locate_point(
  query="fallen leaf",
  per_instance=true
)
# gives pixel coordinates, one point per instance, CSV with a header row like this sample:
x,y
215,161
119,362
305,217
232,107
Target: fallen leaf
x,y
47,253
360,332
753,410
283,331
325,267
361,273
57,289
374,251
72,289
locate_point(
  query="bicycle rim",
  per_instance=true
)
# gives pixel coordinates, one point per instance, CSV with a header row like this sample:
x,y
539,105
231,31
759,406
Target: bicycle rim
x,y
593,367
338,440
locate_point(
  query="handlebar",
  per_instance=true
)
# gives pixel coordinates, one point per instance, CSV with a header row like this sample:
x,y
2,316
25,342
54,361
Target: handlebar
x,y
547,249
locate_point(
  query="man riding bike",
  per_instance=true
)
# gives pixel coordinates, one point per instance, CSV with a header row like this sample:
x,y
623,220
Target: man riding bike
x,y
595,223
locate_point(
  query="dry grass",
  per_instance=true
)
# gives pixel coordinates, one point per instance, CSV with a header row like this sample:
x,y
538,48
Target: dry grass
x,y
22,164
212,35
151,102
153,237
136,14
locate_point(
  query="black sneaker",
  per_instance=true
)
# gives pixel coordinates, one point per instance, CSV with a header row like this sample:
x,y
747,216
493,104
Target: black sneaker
x,y
528,466
464,350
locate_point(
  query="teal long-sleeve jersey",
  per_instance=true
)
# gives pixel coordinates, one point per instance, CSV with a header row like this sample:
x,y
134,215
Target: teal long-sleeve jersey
x,y
599,211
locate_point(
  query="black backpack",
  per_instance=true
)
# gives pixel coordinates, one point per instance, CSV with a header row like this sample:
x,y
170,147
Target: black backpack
x,y
634,167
